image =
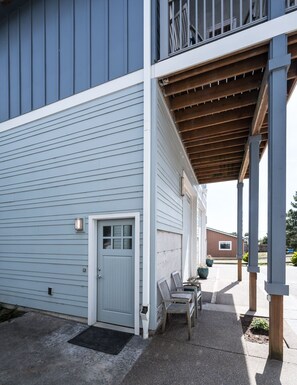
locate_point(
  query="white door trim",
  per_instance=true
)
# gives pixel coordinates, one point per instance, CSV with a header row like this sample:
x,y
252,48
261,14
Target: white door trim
x,y
92,264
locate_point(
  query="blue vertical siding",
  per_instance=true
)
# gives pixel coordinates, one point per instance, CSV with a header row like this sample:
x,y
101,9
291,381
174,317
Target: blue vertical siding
x,y
14,65
25,58
82,161
66,48
82,44
38,54
4,73
53,49
99,51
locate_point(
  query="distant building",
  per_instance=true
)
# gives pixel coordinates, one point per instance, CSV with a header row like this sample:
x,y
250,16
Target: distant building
x,y
221,244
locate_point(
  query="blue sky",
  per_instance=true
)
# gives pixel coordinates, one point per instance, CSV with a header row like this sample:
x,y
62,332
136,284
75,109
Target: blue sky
x,y
222,197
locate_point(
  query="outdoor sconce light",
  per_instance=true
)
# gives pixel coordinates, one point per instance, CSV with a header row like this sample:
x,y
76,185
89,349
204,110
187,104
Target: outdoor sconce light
x,y
79,224
182,186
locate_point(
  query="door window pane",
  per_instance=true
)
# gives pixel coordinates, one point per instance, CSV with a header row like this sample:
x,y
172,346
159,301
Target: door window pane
x,y
106,243
106,231
127,243
117,231
117,243
127,231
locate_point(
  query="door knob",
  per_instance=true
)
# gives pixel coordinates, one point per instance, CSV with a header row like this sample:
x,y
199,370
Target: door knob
x,y
99,276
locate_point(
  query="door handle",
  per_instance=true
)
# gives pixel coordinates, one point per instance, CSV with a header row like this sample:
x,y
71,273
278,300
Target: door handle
x,y
99,276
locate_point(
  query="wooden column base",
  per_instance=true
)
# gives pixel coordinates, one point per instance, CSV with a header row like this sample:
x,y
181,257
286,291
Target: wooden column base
x,y
239,269
253,291
276,327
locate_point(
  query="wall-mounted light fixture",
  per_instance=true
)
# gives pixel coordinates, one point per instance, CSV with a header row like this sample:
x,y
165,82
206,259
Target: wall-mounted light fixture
x,y
79,224
182,186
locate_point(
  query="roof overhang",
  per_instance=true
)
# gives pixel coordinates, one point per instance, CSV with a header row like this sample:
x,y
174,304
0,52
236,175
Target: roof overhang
x,y
218,105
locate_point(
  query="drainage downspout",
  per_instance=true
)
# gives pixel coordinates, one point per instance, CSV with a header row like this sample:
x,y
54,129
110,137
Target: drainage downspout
x,y
147,92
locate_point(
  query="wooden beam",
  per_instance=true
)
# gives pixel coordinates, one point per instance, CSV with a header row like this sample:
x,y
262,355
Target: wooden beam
x,y
292,49
204,164
217,146
224,117
253,291
258,119
214,76
215,65
218,172
239,270
221,90
276,327
215,180
217,106
238,68
218,129
217,139
221,166
224,151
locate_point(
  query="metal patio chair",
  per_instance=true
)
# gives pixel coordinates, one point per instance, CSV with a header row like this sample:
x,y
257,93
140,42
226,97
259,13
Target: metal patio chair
x,y
176,303
188,287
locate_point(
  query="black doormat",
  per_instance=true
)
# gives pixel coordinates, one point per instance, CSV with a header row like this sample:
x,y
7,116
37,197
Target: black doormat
x,y
102,340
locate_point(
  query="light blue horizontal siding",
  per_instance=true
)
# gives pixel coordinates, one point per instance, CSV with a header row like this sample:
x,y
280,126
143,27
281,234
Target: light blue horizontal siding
x,y
170,163
82,161
50,50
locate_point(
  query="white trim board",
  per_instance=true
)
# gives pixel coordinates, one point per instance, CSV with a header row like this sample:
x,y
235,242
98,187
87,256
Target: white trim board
x,y
92,265
227,45
75,100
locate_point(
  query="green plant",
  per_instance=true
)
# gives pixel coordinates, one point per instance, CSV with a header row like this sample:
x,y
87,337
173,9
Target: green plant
x,y
260,324
245,257
294,259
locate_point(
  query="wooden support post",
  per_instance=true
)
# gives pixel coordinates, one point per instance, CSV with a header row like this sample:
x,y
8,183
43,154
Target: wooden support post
x,y
276,327
239,269
253,291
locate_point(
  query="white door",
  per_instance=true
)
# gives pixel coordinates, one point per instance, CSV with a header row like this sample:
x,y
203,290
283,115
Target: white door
x,y
186,254
116,272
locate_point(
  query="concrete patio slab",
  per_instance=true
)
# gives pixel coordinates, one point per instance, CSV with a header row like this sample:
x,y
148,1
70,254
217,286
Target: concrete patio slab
x,y
34,350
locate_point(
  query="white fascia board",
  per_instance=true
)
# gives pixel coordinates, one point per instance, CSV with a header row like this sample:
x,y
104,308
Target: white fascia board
x,y
227,45
75,100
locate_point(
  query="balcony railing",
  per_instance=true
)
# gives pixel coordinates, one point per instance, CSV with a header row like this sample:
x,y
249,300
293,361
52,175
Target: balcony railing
x,y
188,23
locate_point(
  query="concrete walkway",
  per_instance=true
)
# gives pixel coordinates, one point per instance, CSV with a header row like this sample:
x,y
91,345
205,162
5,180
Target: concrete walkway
x,y
217,354
34,348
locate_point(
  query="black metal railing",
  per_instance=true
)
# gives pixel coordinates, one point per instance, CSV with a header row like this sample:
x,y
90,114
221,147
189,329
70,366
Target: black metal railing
x,y
187,23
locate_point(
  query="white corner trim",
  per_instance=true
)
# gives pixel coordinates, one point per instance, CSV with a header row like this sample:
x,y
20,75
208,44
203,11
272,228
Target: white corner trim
x,y
75,100
147,137
227,45
92,264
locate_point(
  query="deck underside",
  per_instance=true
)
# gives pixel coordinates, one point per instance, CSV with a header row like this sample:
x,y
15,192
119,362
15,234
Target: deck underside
x,y
217,106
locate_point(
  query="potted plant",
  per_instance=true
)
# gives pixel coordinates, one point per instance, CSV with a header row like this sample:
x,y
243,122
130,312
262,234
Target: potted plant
x,y
209,261
202,271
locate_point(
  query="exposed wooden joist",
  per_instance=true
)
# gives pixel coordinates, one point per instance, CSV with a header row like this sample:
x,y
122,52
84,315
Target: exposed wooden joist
x,y
217,106
216,146
209,180
216,161
218,139
218,91
211,120
212,153
215,170
216,130
202,79
218,63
